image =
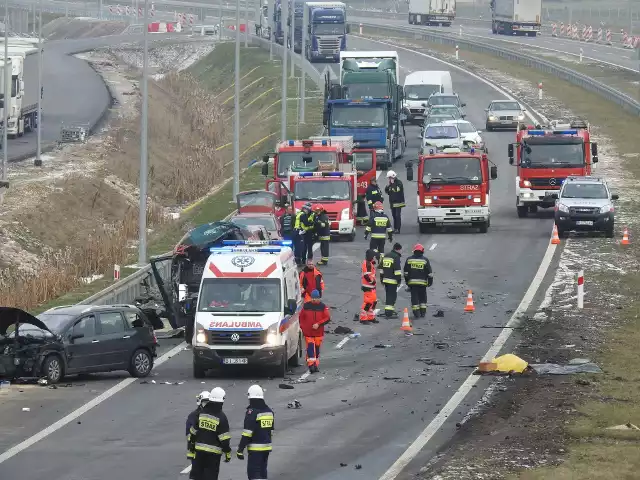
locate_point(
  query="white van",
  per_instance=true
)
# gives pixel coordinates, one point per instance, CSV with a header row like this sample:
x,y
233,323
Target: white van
x,y
248,308
418,86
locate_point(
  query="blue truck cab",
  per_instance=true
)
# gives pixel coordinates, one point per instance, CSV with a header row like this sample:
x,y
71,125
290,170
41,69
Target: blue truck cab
x,y
327,30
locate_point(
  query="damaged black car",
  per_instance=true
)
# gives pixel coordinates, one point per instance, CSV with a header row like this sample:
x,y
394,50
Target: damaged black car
x,y
75,339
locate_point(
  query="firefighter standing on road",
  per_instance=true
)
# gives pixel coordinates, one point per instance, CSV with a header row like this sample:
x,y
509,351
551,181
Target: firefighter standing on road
x,y
310,280
287,221
313,317
192,420
256,436
322,228
379,228
211,437
395,190
370,298
374,194
298,238
391,277
307,232
418,276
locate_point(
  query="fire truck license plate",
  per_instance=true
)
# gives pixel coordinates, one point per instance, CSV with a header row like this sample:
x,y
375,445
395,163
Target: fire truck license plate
x,y
234,361
584,222
506,122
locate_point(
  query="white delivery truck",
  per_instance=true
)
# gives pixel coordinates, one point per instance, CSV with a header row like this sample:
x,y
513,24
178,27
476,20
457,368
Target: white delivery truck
x,y
432,12
248,308
516,17
418,87
23,107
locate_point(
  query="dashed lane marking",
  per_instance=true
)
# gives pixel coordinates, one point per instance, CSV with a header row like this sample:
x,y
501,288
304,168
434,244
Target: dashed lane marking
x,y
186,470
433,247
342,342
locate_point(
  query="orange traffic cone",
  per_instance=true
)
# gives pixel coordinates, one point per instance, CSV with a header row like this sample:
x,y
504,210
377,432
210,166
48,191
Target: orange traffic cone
x,y
555,239
406,324
625,237
469,307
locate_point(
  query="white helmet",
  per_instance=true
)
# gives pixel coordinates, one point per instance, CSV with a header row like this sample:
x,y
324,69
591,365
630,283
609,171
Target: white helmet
x,y
255,391
217,395
202,397
391,174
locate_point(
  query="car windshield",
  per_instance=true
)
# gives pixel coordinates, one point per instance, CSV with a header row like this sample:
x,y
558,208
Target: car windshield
x,y
56,322
502,106
466,127
296,161
264,221
329,29
317,190
361,90
438,132
438,118
355,116
420,92
452,111
443,100
363,161
454,170
552,155
585,190
239,295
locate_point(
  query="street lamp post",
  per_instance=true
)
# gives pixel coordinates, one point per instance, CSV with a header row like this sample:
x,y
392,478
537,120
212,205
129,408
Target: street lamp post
x,y
236,106
7,92
220,21
144,159
246,22
38,161
292,30
303,54
285,54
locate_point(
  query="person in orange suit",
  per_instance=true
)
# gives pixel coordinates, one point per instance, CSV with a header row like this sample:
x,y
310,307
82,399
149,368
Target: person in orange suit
x,y
370,300
313,317
310,280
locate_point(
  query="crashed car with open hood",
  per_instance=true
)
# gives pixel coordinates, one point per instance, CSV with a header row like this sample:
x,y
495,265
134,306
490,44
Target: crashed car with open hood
x,y
187,262
25,344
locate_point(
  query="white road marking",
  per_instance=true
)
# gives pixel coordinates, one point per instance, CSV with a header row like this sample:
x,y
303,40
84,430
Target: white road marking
x,y
342,342
186,470
304,376
453,403
433,247
13,451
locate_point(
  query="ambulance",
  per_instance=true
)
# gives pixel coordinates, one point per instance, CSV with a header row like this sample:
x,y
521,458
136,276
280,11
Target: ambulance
x,y
248,308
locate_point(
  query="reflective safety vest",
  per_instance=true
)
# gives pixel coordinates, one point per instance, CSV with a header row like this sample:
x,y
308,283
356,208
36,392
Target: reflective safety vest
x,y
258,430
368,275
297,225
391,271
379,225
211,432
417,271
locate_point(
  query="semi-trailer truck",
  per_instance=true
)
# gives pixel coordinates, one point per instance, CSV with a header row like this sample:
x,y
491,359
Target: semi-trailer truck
x,y
516,17
432,12
327,31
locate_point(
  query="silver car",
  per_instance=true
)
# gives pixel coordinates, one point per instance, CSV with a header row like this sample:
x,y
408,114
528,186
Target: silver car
x,y
441,135
585,203
434,118
504,114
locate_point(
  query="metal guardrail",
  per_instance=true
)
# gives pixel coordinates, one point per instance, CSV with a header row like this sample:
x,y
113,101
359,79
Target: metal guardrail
x,y
571,76
124,291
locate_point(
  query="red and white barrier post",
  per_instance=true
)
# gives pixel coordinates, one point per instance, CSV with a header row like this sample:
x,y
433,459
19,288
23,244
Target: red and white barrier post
x,y
581,52
581,289
457,52
116,273
608,37
540,91
360,29
554,31
460,31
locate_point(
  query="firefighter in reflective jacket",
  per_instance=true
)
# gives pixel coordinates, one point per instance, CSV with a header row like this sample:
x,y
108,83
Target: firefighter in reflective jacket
x,y
298,239
212,437
307,232
192,420
370,300
395,190
322,228
373,194
313,317
391,278
310,280
257,433
418,276
379,228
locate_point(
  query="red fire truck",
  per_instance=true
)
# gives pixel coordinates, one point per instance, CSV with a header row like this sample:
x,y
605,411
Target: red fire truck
x,y
453,189
545,157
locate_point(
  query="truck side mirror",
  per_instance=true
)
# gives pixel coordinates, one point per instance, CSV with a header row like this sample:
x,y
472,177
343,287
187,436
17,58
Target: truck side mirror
x,y
292,306
265,169
307,158
325,117
409,167
265,159
594,159
308,28
182,292
426,179
348,28
494,172
350,158
615,197
594,149
463,104
510,151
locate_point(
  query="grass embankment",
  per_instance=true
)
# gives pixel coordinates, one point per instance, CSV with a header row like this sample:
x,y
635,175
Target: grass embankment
x,y
212,151
595,451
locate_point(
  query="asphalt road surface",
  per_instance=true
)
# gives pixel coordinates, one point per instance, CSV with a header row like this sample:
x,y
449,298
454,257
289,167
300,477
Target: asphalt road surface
x,y
367,404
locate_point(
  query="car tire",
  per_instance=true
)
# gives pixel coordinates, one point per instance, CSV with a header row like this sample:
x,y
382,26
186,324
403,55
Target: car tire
x,y
423,227
488,128
141,363
351,237
281,370
563,233
609,232
523,211
53,369
483,227
296,360
198,370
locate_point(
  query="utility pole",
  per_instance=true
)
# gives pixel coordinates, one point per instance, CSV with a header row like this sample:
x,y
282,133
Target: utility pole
x,y
144,160
38,161
285,54
236,107
303,54
7,92
292,30
272,28
246,22
220,21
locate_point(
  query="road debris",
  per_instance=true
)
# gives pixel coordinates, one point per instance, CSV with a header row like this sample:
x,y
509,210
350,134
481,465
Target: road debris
x,y
26,409
430,361
392,378
340,330
343,464
358,467
295,404
555,369
382,346
439,314
505,364
441,345
285,386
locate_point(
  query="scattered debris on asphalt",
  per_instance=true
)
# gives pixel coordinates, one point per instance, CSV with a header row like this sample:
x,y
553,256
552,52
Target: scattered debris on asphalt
x,y
430,361
441,345
340,330
354,335
343,464
382,346
295,404
284,386
358,467
439,314
26,409
43,382
570,369
508,364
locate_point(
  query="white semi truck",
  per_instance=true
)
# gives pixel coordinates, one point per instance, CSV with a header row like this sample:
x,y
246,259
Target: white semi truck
x,y
516,17
432,12
23,106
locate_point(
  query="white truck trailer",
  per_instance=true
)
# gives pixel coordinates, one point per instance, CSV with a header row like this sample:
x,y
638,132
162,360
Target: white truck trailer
x,y
516,17
23,107
432,12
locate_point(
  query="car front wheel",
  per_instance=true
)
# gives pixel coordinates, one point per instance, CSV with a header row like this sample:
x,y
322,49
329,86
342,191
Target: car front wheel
x,y
141,363
52,369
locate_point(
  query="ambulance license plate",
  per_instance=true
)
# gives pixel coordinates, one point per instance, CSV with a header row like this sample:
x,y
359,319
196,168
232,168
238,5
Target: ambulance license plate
x,y
584,222
235,361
